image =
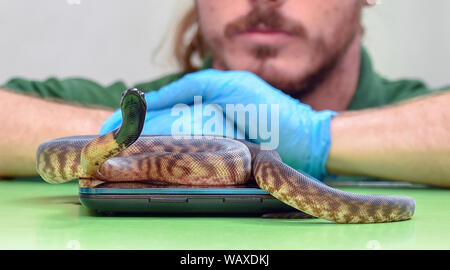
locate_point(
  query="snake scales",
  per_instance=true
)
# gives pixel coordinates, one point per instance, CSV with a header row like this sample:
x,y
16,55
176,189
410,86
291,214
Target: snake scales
x,y
124,156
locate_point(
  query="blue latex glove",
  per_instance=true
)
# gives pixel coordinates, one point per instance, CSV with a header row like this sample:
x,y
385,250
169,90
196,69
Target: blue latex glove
x,y
303,135
163,121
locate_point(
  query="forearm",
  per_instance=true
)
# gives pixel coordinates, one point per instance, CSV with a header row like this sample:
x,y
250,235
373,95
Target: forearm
x,y
407,142
28,121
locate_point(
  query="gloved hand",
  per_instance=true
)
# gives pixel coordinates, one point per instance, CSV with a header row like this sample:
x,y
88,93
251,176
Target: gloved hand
x,y
275,120
172,121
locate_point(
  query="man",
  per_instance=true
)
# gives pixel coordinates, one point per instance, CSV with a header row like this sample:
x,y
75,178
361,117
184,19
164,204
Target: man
x,y
311,50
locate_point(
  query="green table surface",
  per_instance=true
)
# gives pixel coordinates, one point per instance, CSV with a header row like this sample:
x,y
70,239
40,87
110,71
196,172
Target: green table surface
x,y
37,215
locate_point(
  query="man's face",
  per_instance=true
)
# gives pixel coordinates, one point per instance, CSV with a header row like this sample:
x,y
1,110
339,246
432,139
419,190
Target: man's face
x,y
288,43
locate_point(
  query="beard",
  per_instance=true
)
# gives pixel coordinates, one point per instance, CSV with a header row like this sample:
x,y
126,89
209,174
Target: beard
x,y
299,81
298,85
302,76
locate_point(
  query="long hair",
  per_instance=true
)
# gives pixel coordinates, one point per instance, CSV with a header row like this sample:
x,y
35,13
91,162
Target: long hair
x,y
188,45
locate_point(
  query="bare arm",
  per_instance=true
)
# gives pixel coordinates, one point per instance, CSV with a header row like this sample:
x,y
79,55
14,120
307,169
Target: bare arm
x,y
406,142
27,121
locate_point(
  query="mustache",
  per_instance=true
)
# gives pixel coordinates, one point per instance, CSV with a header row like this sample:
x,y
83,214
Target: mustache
x,y
267,17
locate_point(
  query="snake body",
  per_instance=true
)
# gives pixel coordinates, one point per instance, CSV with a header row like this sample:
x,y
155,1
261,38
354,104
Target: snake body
x,y
124,156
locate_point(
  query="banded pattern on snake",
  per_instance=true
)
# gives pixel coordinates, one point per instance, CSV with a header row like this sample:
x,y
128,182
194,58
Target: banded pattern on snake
x,y
124,156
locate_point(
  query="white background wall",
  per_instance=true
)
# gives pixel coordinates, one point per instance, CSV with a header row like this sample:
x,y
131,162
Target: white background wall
x,y
110,40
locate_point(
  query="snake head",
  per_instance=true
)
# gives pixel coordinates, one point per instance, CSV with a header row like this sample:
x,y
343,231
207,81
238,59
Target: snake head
x,y
130,92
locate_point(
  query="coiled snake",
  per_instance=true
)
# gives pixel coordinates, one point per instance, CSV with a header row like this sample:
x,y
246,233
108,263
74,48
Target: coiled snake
x,y
124,156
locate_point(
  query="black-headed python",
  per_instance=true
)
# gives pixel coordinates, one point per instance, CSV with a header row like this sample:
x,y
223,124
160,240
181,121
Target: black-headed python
x,y
124,156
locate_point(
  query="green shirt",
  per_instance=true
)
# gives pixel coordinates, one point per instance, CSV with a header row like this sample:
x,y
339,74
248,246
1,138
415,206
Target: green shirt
x,y
372,90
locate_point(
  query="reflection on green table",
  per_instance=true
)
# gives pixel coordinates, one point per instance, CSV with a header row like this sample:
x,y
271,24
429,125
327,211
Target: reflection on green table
x,y
37,215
